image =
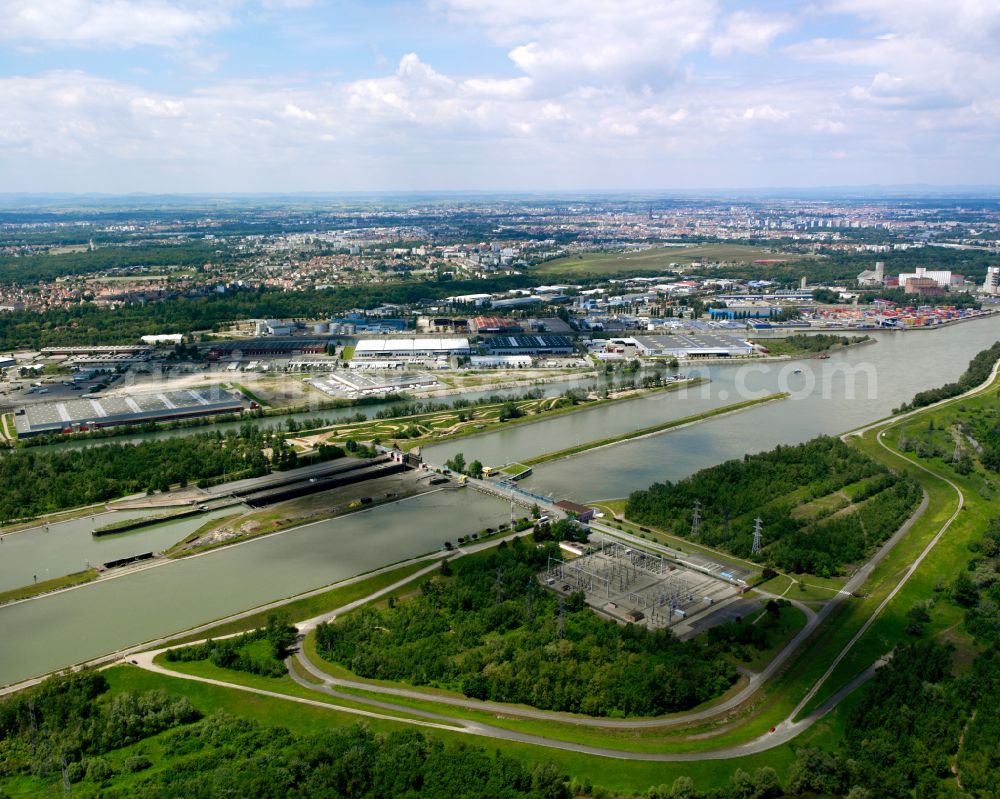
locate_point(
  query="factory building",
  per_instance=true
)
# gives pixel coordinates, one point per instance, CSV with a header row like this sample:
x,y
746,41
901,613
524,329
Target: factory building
x,y
875,277
923,278
266,348
411,348
744,311
494,325
685,345
529,345
86,414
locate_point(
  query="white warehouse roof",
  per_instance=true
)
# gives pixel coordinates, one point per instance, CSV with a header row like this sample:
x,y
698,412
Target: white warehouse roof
x,y
387,346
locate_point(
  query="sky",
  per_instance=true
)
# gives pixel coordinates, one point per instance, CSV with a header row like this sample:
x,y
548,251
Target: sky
x,y
496,95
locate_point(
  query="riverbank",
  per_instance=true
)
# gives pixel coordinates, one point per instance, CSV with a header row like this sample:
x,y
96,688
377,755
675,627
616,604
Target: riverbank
x,y
653,429
48,586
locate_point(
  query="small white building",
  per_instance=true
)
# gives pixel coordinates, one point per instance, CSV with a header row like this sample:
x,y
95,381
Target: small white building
x,y
500,361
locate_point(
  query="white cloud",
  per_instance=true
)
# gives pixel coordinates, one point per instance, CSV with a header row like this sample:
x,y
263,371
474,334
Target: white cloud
x,y
109,23
749,32
764,113
574,43
637,93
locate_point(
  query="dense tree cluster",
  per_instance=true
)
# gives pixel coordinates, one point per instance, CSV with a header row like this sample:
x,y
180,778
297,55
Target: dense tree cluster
x,y
979,369
772,485
978,588
32,483
492,632
70,718
46,267
261,651
814,342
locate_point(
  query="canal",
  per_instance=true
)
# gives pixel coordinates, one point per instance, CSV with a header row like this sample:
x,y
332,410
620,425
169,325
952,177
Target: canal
x,y
60,629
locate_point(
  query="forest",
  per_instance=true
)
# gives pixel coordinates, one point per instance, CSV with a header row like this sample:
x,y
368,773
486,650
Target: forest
x,y
33,483
823,505
487,628
979,369
43,268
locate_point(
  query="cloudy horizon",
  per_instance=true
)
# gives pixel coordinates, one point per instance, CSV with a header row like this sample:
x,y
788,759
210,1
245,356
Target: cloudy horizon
x,y
291,96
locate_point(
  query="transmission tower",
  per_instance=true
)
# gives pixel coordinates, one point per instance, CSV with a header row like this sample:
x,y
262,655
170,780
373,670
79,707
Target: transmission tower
x,y
725,523
499,585
696,519
958,451
528,600
561,629
756,536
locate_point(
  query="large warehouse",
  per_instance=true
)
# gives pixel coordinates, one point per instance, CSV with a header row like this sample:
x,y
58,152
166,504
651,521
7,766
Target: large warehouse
x,y
84,414
688,345
529,345
410,348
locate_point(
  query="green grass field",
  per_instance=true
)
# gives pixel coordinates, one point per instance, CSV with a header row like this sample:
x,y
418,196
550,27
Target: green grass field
x,y
658,259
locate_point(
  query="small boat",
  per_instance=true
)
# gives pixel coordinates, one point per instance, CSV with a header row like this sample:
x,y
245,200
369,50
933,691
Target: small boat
x,y
797,372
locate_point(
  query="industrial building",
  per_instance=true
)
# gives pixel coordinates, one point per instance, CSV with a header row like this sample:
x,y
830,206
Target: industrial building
x,y
494,325
924,281
411,348
874,277
267,347
991,285
688,345
739,310
497,361
529,345
273,327
85,414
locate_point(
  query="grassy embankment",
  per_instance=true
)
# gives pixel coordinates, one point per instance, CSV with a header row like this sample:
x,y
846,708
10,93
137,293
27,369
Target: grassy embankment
x,y
647,431
45,586
128,525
